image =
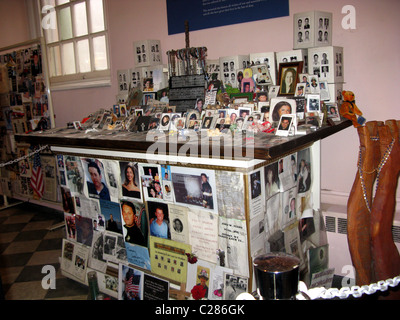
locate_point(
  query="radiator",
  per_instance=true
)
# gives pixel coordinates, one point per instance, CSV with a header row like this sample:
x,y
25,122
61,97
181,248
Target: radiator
x,y
335,218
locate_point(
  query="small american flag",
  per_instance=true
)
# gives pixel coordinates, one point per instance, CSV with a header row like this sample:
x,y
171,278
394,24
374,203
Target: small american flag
x,y
131,287
37,182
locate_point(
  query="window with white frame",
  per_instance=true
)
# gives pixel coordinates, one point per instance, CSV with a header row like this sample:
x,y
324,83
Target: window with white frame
x,y
75,34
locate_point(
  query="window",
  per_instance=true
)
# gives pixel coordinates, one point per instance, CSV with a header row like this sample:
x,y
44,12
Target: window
x,y
75,34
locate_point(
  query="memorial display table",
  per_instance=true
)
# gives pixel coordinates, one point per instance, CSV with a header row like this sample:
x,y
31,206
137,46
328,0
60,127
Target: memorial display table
x,y
219,188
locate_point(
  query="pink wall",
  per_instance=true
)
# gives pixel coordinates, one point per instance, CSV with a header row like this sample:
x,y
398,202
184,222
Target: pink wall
x,y
13,22
371,59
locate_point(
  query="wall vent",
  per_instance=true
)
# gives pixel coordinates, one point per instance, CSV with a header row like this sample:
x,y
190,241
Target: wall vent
x,y
337,223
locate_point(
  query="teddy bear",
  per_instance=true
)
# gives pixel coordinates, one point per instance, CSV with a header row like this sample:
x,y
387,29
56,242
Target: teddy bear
x,y
349,109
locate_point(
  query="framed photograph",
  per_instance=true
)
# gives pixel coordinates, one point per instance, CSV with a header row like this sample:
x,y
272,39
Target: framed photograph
x,y
233,115
313,103
171,109
192,115
77,125
261,74
324,91
285,125
194,125
248,121
257,116
221,124
280,107
314,84
264,110
233,286
240,123
208,123
154,122
165,121
178,124
261,96
333,112
273,92
247,96
244,111
222,113
313,118
116,110
289,77
138,112
300,89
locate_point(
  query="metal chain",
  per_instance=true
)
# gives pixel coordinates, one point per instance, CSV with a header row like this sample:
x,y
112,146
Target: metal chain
x,y
355,291
23,157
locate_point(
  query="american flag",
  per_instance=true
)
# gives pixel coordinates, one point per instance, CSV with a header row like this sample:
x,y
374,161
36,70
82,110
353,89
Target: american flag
x,y
37,182
131,287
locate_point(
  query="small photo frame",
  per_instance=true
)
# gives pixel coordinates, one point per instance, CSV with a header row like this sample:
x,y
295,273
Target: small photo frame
x,y
273,92
194,125
241,97
248,121
178,124
261,74
77,125
313,118
154,122
257,116
208,123
192,115
165,121
324,91
233,115
300,89
116,110
313,103
289,77
261,96
314,84
221,124
333,111
280,107
285,125
148,84
171,109
244,111
222,113
138,112
123,112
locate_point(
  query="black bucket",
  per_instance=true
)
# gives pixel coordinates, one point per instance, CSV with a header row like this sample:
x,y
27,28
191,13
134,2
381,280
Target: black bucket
x,y
277,276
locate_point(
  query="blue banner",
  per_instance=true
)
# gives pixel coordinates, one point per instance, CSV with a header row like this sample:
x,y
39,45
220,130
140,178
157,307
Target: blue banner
x,y
204,14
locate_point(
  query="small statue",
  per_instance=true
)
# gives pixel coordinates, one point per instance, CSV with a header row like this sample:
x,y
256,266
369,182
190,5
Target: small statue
x,y
349,109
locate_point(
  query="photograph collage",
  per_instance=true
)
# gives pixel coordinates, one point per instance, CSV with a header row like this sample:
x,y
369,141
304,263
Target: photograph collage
x,y
161,224
26,106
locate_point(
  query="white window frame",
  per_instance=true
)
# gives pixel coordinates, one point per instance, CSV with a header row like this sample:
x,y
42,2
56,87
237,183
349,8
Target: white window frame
x,y
77,80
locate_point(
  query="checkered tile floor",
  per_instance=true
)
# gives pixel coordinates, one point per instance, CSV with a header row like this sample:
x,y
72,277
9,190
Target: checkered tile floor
x,y
26,245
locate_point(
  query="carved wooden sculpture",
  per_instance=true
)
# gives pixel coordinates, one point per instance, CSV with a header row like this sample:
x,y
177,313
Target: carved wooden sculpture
x,y
360,200
385,256
373,252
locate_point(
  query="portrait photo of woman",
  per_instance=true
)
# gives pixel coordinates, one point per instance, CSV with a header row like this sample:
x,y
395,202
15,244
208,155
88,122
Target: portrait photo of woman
x,y
130,180
281,107
288,81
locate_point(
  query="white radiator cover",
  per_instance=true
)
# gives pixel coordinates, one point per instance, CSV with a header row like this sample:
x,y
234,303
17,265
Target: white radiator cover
x,y
335,219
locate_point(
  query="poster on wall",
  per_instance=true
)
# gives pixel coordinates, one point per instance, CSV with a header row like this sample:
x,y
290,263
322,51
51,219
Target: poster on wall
x,y
204,14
